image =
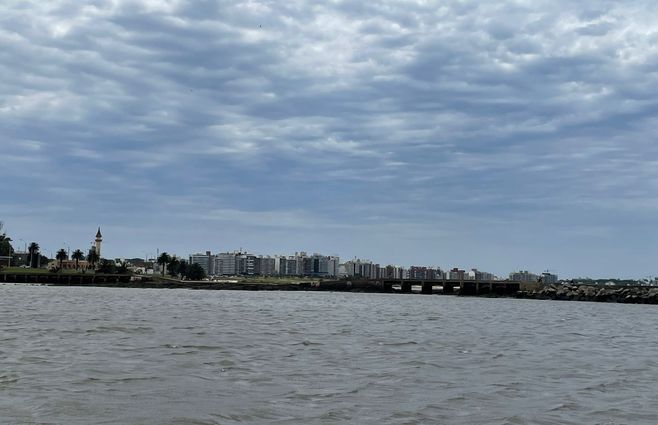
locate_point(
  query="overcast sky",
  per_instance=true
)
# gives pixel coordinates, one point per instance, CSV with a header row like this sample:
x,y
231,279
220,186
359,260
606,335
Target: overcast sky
x,y
498,135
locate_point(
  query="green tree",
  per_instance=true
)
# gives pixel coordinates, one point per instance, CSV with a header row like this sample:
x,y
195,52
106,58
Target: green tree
x,y
163,260
195,272
77,256
61,256
172,266
182,268
33,249
122,267
5,243
107,267
92,258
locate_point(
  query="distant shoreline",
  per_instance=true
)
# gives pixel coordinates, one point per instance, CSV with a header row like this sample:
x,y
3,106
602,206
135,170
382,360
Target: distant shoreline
x,y
626,295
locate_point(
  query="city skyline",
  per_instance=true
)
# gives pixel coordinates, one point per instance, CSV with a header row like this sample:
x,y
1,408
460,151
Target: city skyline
x,y
501,136
334,265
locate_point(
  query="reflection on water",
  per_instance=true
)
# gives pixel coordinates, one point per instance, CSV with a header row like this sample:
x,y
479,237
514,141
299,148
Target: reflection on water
x,y
106,356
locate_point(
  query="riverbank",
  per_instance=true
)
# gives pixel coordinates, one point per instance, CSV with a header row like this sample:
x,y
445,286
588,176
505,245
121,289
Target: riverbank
x,y
630,295
49,278
157,282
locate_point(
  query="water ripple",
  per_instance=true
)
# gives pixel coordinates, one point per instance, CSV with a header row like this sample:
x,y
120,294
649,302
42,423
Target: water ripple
x,y
111,355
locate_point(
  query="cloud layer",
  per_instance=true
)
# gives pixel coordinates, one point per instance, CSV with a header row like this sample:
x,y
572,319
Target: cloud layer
x,y
457,133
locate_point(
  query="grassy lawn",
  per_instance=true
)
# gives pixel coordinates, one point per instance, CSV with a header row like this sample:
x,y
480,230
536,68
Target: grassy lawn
x,y
269,280
273,280
21,270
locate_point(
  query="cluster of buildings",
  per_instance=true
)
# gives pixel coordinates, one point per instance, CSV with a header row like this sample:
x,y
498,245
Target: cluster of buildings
x,y
302,264
243,263
525,276
318,265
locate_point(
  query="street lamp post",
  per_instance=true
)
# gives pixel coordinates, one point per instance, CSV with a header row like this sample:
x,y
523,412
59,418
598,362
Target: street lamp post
x,y
24,248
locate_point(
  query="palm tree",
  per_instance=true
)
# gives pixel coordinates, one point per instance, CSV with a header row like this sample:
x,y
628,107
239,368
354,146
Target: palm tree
x,y
93,257
173,265
163,260
5,242
182,268
107,267
123,267
33,249
77,256
61,256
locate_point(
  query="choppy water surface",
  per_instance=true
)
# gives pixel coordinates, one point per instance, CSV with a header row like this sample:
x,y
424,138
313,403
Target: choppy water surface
x,y
133,356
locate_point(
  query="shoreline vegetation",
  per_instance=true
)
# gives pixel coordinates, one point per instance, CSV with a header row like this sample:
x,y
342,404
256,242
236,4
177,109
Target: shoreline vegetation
x,y
566,292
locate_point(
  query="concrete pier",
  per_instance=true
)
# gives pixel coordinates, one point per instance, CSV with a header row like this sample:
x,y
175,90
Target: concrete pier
x,y
465,287
426,288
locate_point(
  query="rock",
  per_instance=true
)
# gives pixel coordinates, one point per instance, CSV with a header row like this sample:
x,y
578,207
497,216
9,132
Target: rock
x,y
590,292
549,292
652,296
603,295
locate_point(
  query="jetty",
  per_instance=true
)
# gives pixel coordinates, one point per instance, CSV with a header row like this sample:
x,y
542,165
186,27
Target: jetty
x,y
483,288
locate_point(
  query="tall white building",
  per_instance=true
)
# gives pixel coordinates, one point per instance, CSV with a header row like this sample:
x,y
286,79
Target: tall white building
x,y
333,262
475,274
361,268
523,276
266,266
206,261
228,263
548,278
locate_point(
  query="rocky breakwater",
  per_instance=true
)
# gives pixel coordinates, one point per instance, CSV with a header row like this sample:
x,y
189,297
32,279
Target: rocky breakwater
x,y
627,294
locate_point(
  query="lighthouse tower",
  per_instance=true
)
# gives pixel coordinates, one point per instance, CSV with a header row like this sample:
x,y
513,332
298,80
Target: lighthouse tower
x,y
99,240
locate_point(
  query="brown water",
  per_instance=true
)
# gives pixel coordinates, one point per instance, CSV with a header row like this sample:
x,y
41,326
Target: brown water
x,y
139,356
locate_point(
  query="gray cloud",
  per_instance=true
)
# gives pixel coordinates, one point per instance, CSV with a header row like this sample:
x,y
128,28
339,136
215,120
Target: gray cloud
x,y
527,117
